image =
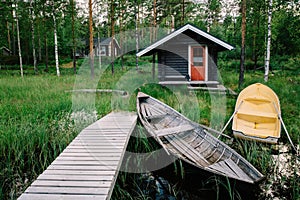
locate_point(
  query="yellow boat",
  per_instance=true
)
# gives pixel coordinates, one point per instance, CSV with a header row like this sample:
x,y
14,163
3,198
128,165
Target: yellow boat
x,y
257,113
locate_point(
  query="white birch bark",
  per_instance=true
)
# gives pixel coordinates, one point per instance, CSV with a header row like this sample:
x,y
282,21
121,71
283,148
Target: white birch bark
x,y
40,47
136,35
32,36
55,41
267,60
18,37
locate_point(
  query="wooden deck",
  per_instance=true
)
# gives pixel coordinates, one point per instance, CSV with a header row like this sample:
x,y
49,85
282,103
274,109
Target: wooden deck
x,y
88,167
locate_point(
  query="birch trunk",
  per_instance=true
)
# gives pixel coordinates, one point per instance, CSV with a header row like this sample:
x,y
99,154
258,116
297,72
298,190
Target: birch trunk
x,y
73,37
8,35
55,42
136,34
122,11
13,33
112,50
154,21
40,46
45,43
32,36
18,38
154,36
268,50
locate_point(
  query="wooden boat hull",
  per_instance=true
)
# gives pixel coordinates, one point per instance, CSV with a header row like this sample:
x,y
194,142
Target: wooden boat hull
x,y
192,142
256,114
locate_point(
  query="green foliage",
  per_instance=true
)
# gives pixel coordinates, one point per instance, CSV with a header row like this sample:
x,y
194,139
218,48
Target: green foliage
x,y
35,127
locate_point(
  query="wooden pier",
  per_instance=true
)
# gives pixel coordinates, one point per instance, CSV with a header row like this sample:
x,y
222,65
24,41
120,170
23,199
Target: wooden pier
x,y
88,167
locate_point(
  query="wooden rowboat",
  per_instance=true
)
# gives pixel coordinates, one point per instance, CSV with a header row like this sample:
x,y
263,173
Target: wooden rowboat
x,y
192,142
256,115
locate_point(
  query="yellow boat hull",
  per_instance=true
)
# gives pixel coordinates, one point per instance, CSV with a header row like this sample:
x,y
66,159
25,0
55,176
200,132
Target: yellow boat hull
x,y
257,113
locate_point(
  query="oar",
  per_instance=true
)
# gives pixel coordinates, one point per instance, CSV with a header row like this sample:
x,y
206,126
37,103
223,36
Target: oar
x,y
287,133
232,117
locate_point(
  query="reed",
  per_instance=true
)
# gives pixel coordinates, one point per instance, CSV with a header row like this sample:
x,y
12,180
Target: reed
x,y
37,123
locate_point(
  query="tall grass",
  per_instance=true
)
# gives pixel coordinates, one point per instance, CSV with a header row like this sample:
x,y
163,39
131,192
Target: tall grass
x,y
35,127
36,122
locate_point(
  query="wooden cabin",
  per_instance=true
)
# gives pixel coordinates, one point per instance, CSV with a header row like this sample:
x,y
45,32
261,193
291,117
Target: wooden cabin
x,y
105,47
188,55
4,51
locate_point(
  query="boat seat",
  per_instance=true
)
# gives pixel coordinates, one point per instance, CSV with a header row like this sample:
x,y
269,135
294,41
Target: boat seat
x,y
255,98
256,114
262,130
172,130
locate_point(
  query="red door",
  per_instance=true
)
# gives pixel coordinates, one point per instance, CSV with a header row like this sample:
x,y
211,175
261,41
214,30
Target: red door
x,y
197,61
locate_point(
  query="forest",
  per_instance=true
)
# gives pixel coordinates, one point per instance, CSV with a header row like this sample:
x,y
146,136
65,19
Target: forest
x,y
50,30
45,51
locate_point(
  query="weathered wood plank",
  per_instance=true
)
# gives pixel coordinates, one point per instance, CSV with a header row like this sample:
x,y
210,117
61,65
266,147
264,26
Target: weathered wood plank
x,y
95,144
68,190
222,168
72,158
237,170
188,150
70,147
89,154
100,184
87,168
101,137
98,143
172,130
92,146
61,197
78,172
86,162
69,177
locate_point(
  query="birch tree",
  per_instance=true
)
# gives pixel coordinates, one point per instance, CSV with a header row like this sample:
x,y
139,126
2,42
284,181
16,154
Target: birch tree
x,y
45,41
154,36
55,39
112,29
137,10
18,36
73,35
122,13
267,60
32,36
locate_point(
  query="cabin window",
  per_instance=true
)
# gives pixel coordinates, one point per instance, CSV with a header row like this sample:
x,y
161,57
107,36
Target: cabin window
x,y
102,51
198,56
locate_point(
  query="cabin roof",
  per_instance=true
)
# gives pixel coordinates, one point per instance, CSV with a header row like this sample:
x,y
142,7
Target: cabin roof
x,y
105,41
6,49
181,30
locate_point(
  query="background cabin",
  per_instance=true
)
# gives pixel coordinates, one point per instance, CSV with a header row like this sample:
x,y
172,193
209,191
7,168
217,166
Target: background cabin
x,y
4,51
188,55
105,47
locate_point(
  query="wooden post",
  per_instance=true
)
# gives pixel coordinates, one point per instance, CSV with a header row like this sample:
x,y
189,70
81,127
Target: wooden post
x,y
153,65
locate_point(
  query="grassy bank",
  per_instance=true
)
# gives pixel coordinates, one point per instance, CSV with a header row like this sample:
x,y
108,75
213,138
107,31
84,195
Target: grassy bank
x,y
37,122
